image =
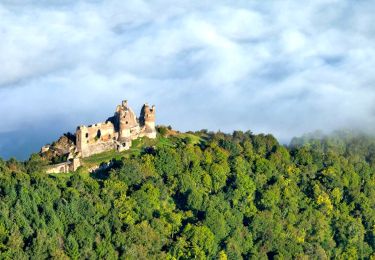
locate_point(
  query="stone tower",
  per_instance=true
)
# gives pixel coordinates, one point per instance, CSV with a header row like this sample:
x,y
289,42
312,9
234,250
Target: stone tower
x,y
128,125
147,121
82,139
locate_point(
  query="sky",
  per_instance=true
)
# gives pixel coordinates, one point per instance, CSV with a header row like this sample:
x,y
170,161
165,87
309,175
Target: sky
x,y
279,67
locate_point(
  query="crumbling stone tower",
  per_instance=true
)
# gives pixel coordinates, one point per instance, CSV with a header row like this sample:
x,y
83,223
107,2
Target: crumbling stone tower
x,y
147,121
127,122
81,137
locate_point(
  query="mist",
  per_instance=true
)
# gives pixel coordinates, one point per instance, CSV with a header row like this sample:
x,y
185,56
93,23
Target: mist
x,y
281,67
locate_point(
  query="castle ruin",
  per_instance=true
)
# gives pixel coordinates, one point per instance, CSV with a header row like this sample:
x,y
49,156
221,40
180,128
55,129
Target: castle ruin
x,y
116,133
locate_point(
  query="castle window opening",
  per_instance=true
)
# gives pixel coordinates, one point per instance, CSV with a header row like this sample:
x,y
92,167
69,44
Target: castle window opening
x,y
99,134
87,135
127,122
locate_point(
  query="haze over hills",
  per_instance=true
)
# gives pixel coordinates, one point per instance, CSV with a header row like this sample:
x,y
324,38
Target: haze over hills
x,y
280,67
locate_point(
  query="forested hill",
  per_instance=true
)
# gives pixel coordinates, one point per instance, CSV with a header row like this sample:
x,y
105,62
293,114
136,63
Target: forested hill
x,y
200,195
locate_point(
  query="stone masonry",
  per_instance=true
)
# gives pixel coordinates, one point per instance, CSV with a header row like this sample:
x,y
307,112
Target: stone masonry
x,y
116,133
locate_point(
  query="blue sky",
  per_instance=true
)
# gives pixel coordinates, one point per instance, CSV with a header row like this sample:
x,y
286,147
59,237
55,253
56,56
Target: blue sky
x,y
280,67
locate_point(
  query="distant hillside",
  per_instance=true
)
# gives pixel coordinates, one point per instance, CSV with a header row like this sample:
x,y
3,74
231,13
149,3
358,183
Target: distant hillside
x,y
196,195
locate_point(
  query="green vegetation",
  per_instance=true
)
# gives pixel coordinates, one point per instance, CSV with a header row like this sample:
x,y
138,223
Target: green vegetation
x,y
198,195
138,146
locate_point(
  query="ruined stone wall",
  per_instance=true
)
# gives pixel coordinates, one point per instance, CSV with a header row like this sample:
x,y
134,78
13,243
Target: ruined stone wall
x,y
68,166
124,145
76,162
58,168
95,138
100,132
117,132
129,133
98,147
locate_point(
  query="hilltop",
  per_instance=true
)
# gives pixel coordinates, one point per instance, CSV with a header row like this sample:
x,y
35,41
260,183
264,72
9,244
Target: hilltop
x,y
166,137
198,195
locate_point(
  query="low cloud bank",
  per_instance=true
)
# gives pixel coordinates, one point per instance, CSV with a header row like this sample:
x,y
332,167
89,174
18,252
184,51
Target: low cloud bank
x,y
284,68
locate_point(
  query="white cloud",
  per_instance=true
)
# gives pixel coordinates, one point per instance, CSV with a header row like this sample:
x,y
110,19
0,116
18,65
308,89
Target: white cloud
x,y
293,41
284,67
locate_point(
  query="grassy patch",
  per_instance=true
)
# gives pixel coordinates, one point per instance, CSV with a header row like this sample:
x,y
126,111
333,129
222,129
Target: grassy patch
x,y
137,146
164,141
135,149
194,139
97,159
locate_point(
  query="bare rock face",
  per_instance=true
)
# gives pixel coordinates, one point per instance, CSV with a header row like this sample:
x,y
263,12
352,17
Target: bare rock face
x,y
63,145
59,149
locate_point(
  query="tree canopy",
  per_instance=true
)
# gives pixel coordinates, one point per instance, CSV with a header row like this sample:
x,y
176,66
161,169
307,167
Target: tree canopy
x,y
205,196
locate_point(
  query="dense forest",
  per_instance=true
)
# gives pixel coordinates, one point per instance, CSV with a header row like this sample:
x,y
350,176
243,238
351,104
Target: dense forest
x,y
203,195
